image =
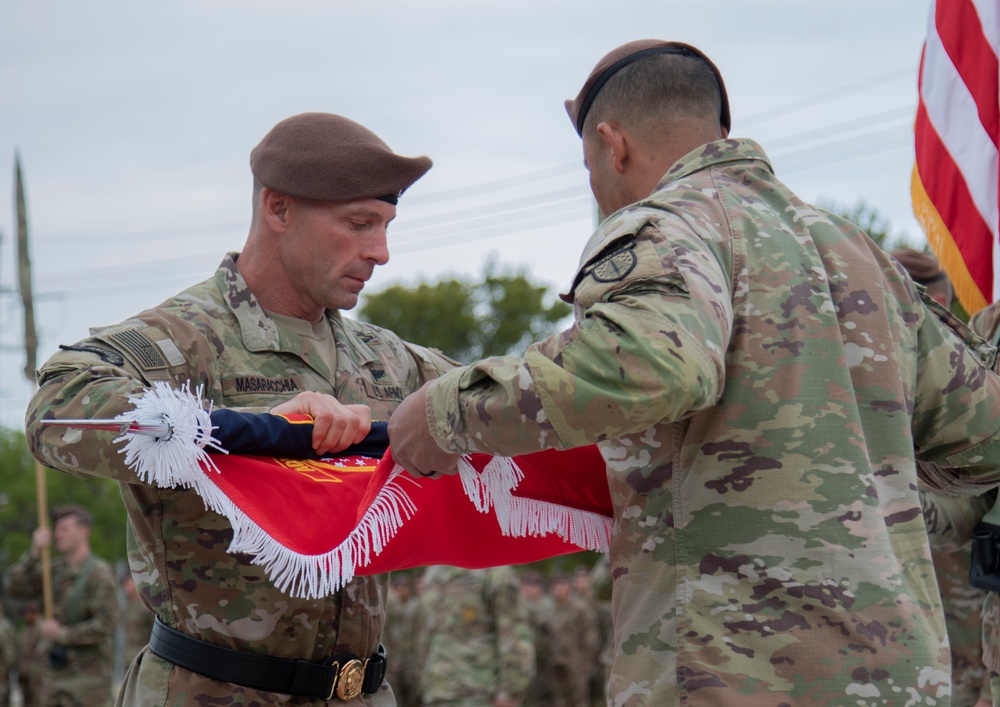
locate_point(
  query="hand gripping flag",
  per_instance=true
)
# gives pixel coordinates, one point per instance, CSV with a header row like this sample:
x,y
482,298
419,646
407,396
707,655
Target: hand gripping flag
x,y
957,132
314,523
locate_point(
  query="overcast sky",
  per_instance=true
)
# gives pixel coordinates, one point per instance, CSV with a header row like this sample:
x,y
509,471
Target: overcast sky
x,y
134,122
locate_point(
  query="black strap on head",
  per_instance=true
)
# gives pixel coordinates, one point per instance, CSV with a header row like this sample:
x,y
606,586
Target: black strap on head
x,y
389,199
588,100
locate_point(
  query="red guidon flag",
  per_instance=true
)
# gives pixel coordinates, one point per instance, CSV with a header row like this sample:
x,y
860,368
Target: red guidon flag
x,y
314,523
957,133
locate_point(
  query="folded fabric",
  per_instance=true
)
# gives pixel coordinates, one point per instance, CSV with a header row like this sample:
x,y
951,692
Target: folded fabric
x,y
314,523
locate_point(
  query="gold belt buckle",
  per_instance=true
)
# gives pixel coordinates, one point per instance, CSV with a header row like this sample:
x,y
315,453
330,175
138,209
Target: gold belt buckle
x,y
350,680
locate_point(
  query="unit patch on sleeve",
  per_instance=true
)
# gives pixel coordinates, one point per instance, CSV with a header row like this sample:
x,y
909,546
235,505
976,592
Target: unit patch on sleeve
x,y
614,266
106,355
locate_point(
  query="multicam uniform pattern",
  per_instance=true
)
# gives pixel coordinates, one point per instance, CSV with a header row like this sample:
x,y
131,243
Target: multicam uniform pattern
x,y
215,334
477,637
87,607
961,521
757,375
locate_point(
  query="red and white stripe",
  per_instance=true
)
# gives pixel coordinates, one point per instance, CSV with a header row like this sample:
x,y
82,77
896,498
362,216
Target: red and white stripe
x,y
956,196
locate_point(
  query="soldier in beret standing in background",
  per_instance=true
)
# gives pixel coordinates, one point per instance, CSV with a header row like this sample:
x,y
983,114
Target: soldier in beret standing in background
x,y
757,374
264,333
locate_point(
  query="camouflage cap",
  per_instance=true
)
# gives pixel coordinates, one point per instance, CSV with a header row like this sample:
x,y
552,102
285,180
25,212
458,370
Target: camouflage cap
x,y
328,157
618,59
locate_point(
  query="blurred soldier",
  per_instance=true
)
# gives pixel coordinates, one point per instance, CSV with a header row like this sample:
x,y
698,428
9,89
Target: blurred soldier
x,y
759,377
400,640
573,636
479,650
78,672
584,592
8,656
266,331
538,609
963,603
30,658
137,621
954,521
925,270
600,585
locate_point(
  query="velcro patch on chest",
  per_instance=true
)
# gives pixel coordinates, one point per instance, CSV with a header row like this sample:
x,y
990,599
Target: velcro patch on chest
x,y
251,385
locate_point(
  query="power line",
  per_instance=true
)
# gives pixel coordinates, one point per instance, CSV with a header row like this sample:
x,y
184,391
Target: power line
x,y
827,96
521,213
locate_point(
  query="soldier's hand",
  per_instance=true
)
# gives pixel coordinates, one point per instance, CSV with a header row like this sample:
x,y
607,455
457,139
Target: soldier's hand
x,y
335,426
51,629
504,700
42,537
413,446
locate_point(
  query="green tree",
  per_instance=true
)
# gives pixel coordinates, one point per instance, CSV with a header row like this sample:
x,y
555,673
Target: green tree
x,y
501,313
19,509
874,223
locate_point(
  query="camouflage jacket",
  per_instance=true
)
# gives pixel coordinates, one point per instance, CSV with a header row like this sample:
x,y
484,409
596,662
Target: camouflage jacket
x,y
215,334
757,374
8,649
478,640
89,616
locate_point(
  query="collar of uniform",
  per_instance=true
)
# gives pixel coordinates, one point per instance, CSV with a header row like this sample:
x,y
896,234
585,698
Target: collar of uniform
x,y
259,331
714,154
357,335
630,219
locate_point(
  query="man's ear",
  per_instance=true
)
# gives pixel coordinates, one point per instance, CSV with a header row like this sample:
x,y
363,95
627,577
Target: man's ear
x,y
274,207
615,139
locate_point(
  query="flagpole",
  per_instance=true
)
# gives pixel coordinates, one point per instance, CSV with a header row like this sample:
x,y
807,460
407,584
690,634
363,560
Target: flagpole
x,y
31,347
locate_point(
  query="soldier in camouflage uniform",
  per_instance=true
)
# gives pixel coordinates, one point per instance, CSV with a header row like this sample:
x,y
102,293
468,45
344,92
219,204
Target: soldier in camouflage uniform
x,y
80,636
137,621
400,640
8,656
265,332
600,584
952,526
573,636
538,609
479,650
963,603
29,657
757,375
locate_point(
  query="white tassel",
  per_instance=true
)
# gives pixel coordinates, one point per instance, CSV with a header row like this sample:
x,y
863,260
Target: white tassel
x,y
498,478
177,459
518,516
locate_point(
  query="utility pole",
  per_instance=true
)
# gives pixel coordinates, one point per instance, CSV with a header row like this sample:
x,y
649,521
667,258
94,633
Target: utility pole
x,y
24,275
31,352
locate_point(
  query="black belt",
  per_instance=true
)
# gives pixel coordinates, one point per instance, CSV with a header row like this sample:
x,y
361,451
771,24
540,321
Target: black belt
x,y
343,677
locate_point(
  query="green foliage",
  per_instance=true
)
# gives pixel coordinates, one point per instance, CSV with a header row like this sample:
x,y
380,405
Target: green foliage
x,y
500,314
19,507
874,223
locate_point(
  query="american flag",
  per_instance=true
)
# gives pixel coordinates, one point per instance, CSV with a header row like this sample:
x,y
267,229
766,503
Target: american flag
x,y
957,133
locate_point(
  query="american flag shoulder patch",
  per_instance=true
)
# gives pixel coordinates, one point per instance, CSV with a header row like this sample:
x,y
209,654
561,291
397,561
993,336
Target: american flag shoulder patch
x,y
140,348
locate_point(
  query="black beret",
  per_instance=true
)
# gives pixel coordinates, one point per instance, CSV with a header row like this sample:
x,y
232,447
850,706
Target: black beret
x,y
617,59
328,157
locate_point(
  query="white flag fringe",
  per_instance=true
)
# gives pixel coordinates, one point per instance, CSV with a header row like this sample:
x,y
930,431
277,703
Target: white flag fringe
x,y
181,460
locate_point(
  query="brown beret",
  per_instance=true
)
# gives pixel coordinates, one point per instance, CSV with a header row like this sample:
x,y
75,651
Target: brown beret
x,y
924,268
618,59
330,158
81,514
